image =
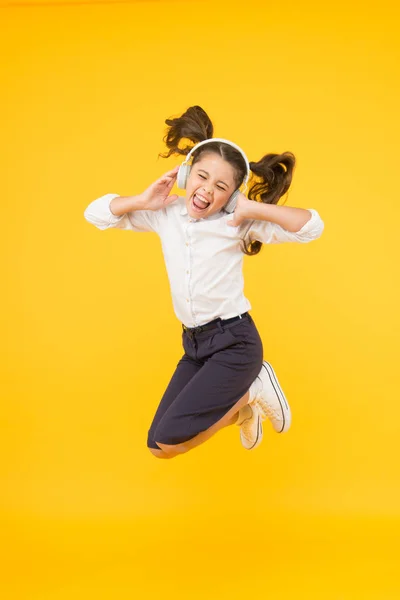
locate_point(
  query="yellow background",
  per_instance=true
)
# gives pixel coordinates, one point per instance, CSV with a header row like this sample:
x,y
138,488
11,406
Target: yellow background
x,y
90,338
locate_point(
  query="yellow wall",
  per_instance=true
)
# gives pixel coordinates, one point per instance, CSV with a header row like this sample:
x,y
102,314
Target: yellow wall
x,y
91,339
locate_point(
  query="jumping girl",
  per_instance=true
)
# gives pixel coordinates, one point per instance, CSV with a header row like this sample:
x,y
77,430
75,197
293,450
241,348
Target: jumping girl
x,y
221,379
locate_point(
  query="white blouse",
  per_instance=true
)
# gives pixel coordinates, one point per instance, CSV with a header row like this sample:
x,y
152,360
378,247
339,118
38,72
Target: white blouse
x,y
203,257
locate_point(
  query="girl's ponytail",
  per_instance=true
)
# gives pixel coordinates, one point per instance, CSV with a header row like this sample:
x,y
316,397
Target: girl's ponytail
x,y
272,178
274,174
194,125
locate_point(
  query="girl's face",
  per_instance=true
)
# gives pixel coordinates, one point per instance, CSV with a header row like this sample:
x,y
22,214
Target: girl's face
x,y
211,183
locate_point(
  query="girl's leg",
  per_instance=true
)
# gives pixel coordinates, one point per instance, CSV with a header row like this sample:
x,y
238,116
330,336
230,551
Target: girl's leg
x,y
170,451
184,372
161,454
228,363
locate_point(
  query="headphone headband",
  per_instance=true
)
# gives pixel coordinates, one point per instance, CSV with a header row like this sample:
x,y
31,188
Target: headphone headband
x,y
245,180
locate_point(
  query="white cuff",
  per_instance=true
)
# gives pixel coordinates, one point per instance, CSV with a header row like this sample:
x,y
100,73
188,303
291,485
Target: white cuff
x,y
107,201
314,226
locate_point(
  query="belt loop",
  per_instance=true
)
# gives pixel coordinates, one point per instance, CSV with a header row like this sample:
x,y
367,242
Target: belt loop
x,y
220,326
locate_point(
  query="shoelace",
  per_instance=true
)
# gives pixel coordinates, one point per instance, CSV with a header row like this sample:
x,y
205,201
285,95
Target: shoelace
x,y
266,411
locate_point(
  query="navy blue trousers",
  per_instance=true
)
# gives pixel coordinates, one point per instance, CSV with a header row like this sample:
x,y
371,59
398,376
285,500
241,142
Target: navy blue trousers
x,y
216,370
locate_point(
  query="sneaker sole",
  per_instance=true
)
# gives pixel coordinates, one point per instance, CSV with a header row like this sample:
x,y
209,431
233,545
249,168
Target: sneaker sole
x,y
286,413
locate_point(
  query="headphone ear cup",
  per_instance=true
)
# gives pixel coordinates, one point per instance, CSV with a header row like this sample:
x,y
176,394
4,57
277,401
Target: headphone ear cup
x,y
182,177
231,204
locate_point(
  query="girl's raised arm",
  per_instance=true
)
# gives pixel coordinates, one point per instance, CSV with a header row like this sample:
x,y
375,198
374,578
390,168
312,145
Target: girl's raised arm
x,y
273,224
269,232
138,213
99,214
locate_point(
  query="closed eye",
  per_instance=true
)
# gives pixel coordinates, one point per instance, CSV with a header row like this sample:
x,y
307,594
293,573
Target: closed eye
x,y
218,186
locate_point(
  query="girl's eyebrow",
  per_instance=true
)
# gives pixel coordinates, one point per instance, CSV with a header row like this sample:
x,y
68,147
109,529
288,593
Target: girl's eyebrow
x,y
219,181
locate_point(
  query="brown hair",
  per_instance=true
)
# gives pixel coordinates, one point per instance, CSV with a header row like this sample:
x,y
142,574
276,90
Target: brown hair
x,y
271,176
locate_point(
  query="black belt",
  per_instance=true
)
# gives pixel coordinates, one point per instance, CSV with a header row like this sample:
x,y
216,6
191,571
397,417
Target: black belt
x,y
213,324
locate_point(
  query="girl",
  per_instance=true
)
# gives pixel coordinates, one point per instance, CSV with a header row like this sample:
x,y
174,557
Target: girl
x,y
221,378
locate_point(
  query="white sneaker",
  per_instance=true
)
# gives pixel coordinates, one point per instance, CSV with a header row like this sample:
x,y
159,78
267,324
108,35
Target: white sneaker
x,y
249,421
267,395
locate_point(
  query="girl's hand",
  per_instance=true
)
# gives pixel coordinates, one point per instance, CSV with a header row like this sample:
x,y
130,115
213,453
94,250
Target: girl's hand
x,y
241,210
157,194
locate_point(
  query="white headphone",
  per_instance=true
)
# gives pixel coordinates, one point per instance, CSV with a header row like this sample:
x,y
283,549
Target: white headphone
x,y
184,171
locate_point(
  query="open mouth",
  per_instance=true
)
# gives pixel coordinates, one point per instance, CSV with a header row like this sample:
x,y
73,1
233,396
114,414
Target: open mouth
x,y
199,204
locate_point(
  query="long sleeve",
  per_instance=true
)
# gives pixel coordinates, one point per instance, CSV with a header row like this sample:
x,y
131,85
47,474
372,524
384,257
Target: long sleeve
x,y
271,233
98,213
